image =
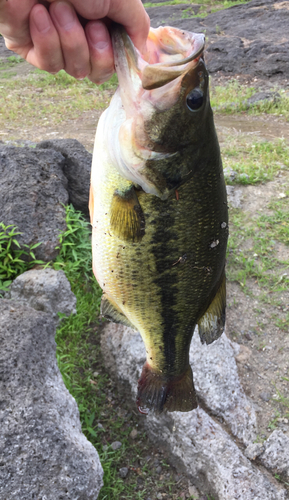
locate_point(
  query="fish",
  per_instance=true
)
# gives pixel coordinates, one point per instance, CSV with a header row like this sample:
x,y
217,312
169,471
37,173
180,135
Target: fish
x,y
159,211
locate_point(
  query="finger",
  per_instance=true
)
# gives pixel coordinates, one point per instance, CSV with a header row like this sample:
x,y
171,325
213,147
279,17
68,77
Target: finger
x,y
46,52
130,13
101,54
133,17
72,38
14,25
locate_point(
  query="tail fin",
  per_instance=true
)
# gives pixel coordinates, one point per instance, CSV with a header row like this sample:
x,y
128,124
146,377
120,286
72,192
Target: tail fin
x,y
158,392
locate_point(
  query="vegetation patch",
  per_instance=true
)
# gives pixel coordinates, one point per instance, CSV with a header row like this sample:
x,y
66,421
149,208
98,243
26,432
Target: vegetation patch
x,y
252,162
233,98
48,99
14,259
252,253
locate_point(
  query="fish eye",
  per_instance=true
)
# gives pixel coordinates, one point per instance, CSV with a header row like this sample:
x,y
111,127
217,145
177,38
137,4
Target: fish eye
x,y
195,99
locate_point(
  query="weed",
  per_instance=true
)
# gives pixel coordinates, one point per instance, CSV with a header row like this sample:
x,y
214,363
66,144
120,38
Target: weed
x,y
232,98
14,259
254,162
272,424
277,476
15,59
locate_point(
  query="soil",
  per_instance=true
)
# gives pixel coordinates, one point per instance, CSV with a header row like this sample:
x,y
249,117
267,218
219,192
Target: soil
x,y
252,41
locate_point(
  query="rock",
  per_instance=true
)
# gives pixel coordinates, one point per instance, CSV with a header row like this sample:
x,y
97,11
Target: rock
x,y
158,469
254,450
123,472
33,192
167,14
234,196
196,443
218,386
133,434
265,396
230,173
76,168
43,451
247,39
276,453
44,290
193,491
116,445
264,96
243,355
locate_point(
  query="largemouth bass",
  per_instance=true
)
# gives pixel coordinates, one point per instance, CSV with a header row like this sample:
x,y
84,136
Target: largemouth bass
x,y
159,210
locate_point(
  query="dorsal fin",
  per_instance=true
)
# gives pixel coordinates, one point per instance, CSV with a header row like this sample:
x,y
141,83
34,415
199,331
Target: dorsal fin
x,y
212,323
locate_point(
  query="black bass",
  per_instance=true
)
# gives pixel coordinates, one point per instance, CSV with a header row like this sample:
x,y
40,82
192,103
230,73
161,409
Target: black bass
x,y
159,210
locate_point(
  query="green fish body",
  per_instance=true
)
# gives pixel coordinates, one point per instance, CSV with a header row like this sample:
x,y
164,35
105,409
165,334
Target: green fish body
x,y
159,213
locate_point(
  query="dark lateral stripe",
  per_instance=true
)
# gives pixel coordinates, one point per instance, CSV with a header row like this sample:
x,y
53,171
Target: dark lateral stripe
x,y
164,245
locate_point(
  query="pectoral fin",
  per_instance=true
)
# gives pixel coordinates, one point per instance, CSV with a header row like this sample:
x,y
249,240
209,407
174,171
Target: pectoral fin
x,y
212,323
127,218
110,311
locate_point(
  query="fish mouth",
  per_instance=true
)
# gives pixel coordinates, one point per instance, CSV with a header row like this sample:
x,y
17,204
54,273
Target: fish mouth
x,y
170,54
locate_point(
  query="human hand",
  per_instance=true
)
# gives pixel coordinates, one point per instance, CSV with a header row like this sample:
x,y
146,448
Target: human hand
x,y
50,35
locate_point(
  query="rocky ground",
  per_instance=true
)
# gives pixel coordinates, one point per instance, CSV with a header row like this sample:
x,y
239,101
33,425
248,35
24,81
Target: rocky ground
x,y
248,42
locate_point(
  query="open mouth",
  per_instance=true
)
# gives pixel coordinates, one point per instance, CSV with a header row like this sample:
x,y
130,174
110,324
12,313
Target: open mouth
x,y
170,53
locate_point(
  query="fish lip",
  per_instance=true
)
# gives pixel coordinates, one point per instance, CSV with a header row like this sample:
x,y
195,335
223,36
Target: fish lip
x,y
129,61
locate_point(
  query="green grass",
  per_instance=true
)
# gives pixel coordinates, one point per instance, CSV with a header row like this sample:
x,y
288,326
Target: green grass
x,y
252,252
15,259
232,98
50,99
254,162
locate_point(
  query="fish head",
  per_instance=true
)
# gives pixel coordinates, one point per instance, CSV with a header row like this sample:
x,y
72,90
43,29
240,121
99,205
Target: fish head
x,y
164,100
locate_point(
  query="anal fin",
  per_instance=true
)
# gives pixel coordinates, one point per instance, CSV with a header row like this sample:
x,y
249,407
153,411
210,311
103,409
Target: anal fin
x,y
110,311
212,323
127,219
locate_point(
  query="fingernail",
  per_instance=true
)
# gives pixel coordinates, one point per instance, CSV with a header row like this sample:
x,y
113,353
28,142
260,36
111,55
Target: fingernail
x,y
42,20
98,36
64,15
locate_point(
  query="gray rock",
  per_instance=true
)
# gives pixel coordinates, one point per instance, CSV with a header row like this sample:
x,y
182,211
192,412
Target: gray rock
x,y
276,453
254,450
196,443
168,14
76,168
248,39
264,96
265,396
230,173
33,192
44,290
123,472
116,445
218,386
43,451
234,196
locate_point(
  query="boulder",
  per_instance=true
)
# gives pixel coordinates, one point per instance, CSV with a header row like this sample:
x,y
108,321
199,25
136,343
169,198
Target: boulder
x,y
76,168
248,39
196,443
218,386
273,453
43,451
33,195
45,290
